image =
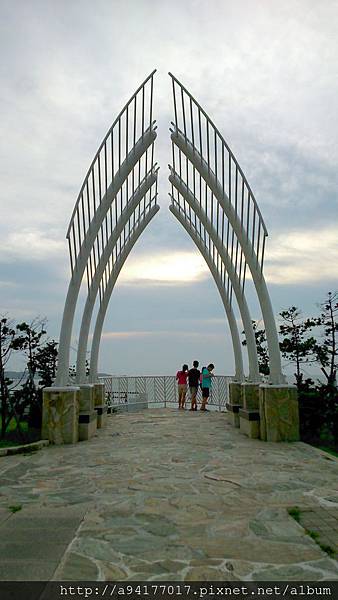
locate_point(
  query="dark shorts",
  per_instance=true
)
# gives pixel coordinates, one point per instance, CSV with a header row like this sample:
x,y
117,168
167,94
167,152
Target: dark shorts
x,y
205,392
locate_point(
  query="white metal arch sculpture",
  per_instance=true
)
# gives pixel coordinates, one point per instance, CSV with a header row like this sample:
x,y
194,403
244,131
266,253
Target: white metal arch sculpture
x,y
210,197
184,220
126,152
105,267
241,223
228,268
149,212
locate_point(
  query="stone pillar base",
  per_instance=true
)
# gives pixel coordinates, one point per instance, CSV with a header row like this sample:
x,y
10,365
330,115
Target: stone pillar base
x,y
87,425
233,415
99,398
235,393
250,395
249,423
101,412
86,397
60,415
279,416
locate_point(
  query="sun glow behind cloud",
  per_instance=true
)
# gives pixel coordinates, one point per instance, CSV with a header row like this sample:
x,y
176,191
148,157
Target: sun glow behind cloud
x,y
298,256
303,256
175,267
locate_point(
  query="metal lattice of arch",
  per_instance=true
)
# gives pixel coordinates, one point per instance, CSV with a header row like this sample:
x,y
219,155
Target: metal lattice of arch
x,y
118,197
210,193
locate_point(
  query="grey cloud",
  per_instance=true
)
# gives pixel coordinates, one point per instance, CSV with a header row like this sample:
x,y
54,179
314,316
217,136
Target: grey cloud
x,y
266,74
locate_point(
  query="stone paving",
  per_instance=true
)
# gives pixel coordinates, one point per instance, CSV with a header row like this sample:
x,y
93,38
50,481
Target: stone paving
x,y
322,523
165,495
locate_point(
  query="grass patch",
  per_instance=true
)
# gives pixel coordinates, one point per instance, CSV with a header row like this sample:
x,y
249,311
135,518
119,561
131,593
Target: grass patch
x,y
8,444
313,534
13,426
15,508
295,513
19,437
329,450
326,548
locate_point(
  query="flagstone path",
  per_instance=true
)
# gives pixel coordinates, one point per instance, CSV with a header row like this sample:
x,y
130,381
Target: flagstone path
x,y
166,495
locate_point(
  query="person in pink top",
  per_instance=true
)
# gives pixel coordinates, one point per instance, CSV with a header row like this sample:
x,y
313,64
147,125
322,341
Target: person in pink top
x,y
181,377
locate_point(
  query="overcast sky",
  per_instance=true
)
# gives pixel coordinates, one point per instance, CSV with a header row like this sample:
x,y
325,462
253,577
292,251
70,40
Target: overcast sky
x,y
266,73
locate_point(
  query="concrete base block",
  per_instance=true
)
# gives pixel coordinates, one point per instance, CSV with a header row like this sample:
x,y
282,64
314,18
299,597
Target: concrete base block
x,y
86,397
60,415
249,423
99,391
279,414
250,396
101,412
233,415
233,418
235,393
87,425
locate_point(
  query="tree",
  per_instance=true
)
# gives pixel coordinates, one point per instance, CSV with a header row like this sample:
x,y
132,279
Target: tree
x,y
327,352
72,371
7,336
262,348
327,355
29,340
46,362
297,346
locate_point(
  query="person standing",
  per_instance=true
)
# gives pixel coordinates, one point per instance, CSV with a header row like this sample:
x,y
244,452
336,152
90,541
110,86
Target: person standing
x,y
207,375
181,377
194,378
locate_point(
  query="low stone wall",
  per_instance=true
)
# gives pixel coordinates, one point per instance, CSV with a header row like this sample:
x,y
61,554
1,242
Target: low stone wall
x,y
264,411
60,415
73,413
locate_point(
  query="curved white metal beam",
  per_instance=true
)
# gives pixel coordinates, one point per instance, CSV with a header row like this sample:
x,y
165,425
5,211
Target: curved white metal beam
x,y
127,212
109,289
236,344
194,156
129,163
240,297
132,101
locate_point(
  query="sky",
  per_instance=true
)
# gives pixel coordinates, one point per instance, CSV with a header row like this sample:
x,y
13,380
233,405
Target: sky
x,y
266,73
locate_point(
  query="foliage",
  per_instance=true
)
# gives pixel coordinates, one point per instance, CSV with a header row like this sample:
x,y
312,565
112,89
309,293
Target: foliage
x,y
15,508
262,348
318,402
30,342
46,363
297,346
41,357
327,352
72,371
295,513
7,336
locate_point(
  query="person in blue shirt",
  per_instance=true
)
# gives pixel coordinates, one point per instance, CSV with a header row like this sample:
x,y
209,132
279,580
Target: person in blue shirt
x,y
207,375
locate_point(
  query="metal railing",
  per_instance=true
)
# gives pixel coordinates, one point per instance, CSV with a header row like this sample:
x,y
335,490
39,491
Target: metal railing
x,y
161,390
